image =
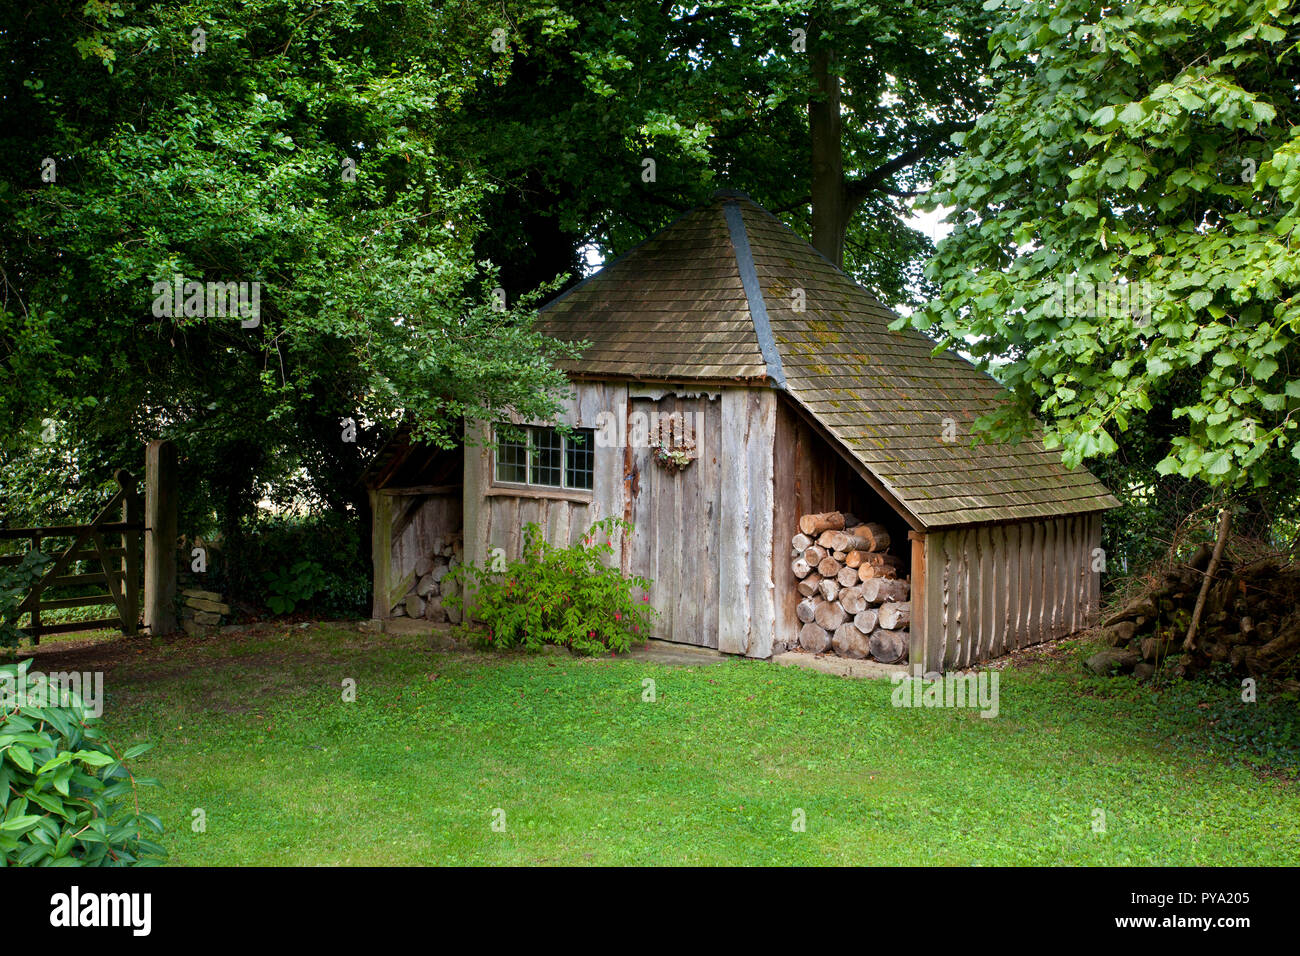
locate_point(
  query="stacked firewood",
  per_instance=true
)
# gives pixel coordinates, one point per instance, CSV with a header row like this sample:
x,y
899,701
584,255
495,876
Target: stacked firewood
x,y
423,589
855,593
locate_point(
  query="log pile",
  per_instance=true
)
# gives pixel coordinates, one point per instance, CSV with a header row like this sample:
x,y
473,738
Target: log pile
x,y
421,592
1249,624
854,593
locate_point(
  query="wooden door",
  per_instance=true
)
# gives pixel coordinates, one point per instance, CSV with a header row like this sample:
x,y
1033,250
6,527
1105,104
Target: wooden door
x,y
675,515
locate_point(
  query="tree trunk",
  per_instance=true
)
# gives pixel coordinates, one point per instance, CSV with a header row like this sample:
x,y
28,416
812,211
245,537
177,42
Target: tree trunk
x,y
852,601
814,638
806,610
829,567
829,198
866,620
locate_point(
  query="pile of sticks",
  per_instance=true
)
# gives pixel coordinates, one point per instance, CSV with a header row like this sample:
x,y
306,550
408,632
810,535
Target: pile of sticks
x,y
855,593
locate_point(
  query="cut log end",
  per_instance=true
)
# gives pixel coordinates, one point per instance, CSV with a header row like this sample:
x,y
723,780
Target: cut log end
x,y
895,615
813,638
889,647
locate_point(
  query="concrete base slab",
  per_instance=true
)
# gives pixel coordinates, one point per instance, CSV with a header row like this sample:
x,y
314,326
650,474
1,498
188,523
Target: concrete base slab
x,y
839,666
680,655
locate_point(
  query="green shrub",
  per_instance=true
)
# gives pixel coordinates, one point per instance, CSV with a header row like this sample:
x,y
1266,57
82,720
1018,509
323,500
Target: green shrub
x,y
564,596
68,798
315,562
15,582
300,582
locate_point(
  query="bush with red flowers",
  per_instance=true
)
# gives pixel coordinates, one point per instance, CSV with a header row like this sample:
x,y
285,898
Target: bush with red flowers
x,y
571,597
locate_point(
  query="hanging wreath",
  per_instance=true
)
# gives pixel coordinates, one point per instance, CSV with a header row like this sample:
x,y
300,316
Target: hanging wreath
x,y
673,447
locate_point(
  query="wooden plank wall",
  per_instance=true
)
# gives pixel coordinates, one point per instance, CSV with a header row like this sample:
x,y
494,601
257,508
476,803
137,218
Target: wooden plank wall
x,y
746,610
810,476
705,535
676,519
990,589
494,520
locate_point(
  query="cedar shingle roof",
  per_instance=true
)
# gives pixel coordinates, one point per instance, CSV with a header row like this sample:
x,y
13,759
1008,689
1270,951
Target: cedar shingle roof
x,y
712,297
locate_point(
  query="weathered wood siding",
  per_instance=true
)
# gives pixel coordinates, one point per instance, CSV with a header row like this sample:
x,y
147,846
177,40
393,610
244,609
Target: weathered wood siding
x,y
990,589
703,536
746,609
676,518
495,517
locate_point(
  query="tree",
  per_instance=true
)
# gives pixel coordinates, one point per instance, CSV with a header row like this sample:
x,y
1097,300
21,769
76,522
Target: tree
x,y
298,151
1125,236
908,78
723,94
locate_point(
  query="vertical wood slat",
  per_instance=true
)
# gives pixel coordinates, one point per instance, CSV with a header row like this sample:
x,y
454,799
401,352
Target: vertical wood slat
x,y
988,591
786,510
1011,568
1024,579
1059,562
1068,566
1036,582
733,559
962,586
710,479
998,589
762,432
1019,563
1051,572
663,512
686,495
1059,605
918,636
948,650
1076,562
1085,572
1065,574
974,545
972,590
935,596
1094,580
1064,566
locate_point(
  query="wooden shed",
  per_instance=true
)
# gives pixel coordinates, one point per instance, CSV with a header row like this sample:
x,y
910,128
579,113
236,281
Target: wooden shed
x,y
775,379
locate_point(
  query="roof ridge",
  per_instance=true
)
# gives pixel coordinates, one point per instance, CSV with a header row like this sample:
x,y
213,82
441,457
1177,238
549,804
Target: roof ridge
x,y
753,291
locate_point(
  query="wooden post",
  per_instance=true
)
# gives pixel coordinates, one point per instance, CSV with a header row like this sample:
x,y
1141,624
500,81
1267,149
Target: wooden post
x,y
131,558
160,538
917,649
381,552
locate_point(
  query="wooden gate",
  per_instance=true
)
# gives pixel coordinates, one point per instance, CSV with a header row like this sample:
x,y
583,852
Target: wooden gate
x,y
119,565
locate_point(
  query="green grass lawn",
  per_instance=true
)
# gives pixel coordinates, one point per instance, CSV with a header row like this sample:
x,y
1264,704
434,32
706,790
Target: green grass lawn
x,y
252,730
